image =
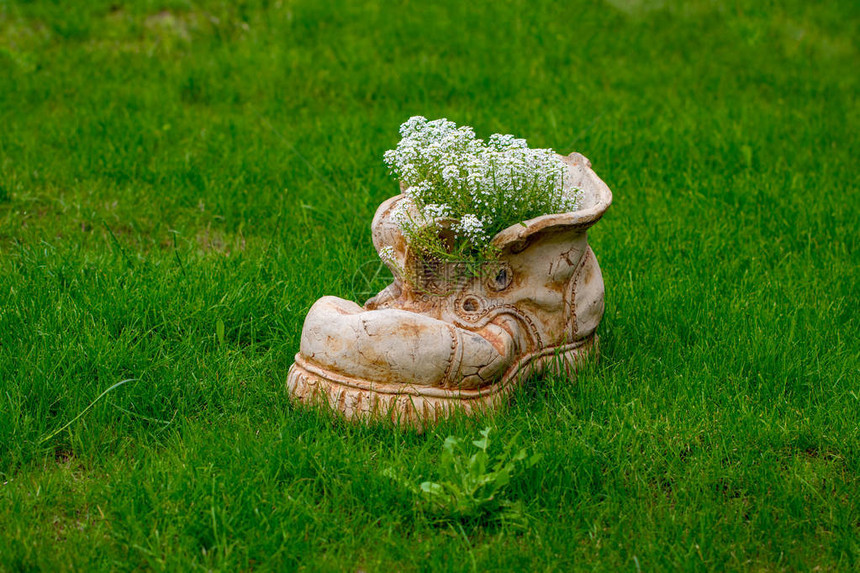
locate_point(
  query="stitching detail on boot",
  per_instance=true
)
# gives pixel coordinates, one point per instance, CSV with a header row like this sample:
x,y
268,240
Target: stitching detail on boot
x,y
570,293
456,358
489,312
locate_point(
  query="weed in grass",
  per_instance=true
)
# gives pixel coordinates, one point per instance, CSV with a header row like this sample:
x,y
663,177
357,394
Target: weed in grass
x,y
472,482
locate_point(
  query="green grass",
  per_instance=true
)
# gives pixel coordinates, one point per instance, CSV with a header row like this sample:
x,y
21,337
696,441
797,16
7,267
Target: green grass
x,y
179,181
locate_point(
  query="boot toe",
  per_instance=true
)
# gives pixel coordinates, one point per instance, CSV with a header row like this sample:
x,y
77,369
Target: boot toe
x,y
382,346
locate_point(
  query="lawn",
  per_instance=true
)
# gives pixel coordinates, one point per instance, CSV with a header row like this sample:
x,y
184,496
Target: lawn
x,y
180,181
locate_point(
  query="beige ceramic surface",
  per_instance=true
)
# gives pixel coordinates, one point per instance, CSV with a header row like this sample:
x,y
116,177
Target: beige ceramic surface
x,y
422,348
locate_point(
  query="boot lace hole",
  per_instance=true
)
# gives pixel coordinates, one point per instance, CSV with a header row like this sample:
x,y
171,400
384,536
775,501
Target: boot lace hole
x,y
470,305
502,279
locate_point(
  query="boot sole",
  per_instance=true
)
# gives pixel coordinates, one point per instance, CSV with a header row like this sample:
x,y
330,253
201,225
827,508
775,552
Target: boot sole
x,y
409,405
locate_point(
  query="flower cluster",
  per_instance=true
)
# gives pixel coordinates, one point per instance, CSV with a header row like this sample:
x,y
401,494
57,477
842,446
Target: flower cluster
x,y
387,255
475,188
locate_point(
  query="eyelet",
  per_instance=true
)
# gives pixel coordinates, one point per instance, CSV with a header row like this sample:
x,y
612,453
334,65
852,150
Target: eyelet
x,y
501,279
471,305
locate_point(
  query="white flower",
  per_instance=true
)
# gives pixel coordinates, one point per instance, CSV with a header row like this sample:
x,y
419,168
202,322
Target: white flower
x,y
419,192
448,172
451,174
412,125
401,213
570,199
502,142
387,254
436,211
471,228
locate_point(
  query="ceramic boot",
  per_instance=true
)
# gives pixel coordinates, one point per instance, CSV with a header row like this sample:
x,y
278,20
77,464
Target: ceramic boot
x,y
442,338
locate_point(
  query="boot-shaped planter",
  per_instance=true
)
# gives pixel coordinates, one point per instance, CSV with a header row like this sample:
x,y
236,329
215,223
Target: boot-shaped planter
x,y
444,341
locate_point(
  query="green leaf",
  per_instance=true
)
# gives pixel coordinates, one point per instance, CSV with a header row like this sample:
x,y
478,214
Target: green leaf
x,y
472,483
483,443
431,488
219,331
